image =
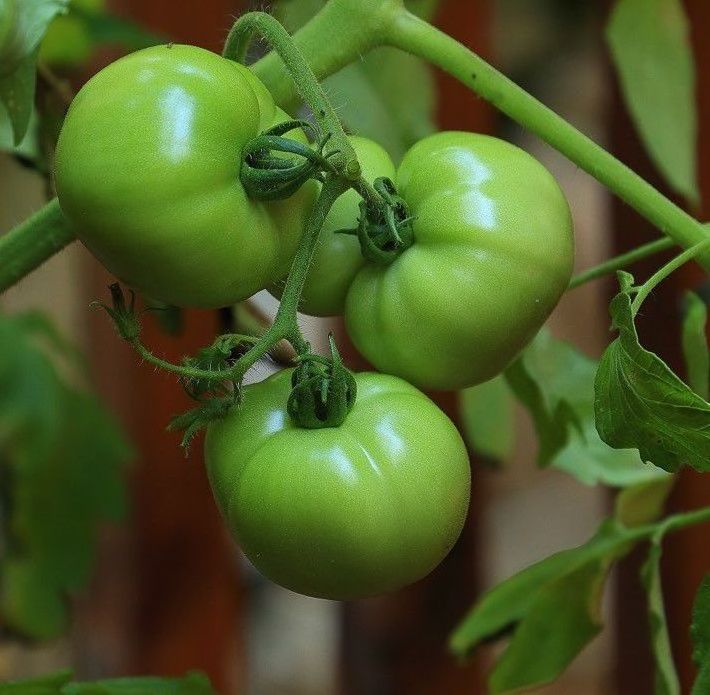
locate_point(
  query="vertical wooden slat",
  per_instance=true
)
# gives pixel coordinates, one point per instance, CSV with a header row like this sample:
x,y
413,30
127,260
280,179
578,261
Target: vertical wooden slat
x,y
184,609
685,558
397,644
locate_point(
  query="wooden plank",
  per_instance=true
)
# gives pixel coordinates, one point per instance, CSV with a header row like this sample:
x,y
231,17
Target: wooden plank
x,y
687,555
686,558
180,605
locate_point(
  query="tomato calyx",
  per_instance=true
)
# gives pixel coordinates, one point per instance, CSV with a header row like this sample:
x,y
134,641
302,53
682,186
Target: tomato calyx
x,y
385,226
123,313
274,167
323,391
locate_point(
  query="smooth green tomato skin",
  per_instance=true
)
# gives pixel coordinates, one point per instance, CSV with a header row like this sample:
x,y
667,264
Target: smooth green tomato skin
x,y
492,255
337,258
147,169
345,512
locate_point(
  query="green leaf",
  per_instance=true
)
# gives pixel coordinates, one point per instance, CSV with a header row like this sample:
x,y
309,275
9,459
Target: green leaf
x,y
666,679
507,604
194,683
552,606
702,682
30,21
555,382
641,404
388,96
18,59
17,92
170,318
488,418
644,502
564,618
695,344
547,389
61,460
650,47
29,147
44,685
700,634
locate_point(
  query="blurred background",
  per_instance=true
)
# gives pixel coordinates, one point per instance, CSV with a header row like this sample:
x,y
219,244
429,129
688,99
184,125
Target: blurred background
x,y
170,591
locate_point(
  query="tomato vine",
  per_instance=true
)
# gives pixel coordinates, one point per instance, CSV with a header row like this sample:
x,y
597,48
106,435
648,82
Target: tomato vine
x,y
275,161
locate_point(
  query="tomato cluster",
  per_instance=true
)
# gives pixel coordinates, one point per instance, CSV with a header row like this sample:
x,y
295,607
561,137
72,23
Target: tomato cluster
x,y
492,255
148,170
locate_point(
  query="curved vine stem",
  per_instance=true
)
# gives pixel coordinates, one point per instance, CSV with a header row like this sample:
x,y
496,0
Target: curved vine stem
x,y
285,325
387,22
343,157
621,261
420,38
663,272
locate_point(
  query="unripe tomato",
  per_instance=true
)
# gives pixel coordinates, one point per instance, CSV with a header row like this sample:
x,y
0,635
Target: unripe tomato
x,y
337,258
492,255
343,512
147,169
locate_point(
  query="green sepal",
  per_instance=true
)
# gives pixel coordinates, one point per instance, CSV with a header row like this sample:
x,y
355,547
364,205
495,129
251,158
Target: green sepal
x,y
323,391
267,174
123,314
385,228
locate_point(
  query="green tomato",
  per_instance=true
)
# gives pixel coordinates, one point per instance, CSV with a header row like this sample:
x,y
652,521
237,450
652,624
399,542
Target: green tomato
x,y
147,169
337,258
346,512
492,255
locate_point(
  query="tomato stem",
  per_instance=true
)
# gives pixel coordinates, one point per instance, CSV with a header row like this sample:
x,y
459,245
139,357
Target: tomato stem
x,y
339,34
663,272
420,38
621,261
286,316
285,325
343,157
31,243
387,22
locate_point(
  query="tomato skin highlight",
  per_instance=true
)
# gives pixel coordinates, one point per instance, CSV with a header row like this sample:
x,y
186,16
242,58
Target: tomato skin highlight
x,y
147,168
346,512
492,255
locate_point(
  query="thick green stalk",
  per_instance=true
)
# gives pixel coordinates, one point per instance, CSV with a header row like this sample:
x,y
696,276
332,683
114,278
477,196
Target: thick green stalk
x,y
328,43
338,35
32,242
419,38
